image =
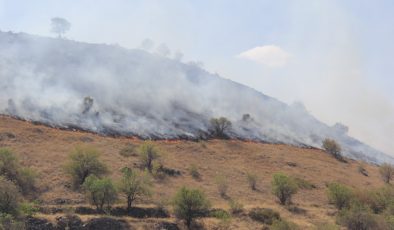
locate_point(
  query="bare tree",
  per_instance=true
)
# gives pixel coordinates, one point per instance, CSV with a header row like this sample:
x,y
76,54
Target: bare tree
x,y
60,26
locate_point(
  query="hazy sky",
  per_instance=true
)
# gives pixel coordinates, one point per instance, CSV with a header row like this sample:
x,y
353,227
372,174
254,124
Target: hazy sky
x,y
333,55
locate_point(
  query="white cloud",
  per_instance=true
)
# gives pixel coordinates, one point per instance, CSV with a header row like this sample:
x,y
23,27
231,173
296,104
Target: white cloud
x,y
269,55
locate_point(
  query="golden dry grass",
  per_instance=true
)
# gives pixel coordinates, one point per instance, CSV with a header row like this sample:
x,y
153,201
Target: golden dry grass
x,y
46,150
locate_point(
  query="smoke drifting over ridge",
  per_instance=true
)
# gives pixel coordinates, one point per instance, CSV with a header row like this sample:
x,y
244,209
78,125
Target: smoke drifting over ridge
x,y
111,90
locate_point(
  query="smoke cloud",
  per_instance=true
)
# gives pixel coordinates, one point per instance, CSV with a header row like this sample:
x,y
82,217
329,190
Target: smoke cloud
x,y
112,90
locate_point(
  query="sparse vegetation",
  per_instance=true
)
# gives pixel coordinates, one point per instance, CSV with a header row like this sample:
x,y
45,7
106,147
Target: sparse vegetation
x,y
128,151
283,187
252,180
339,195
193,170
222,184
333,148
283,225
220,126
148,154
100,192
235,207
264,215
303,184
83,162
387,172
190,204
133,186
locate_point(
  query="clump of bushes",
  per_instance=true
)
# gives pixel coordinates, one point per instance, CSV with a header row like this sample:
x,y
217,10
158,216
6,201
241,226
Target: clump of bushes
x,y
190,204
101,192
10,169
264,215
148,154
339,195
333,148
283,187
220,127
84,162
387,172
252,180
133,186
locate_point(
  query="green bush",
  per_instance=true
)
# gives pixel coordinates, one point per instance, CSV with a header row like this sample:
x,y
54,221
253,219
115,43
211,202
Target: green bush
x,y
148,154
220,214
9,197
83,162
264,215
133,186
339,195
28,209
222,184
193,170
252,180
100,192
283,225
220,126
283,187
358,217
190,204
387,172
27,180
332,147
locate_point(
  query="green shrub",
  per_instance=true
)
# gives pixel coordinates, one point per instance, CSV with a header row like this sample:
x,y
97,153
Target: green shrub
x,y
387,172
220,126
220,214
339,195
148,154
264,215
28,208
332,147
252,180
358,217
83,162
283,225
9,197
193,170
303,184
100,192
235,207
133,186
283,187
128,151
27,180
222,184
190,204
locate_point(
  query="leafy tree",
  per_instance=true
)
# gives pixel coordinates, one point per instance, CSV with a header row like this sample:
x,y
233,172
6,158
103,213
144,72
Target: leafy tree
x,y
387,172
60,26
9,197
100,192
332,147
339,195
83,162
283,187
148,153
190,204
133,186
220,126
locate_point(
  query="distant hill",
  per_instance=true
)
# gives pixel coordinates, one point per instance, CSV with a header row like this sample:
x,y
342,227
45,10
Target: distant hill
x,y
111,90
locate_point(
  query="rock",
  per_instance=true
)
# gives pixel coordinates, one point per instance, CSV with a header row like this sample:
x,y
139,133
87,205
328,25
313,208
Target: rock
x,y
105,223
33,223
69,222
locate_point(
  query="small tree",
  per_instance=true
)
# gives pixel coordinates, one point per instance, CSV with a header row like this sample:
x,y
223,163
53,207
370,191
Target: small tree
x,y
133,186
332,147
220,126
84,161
283,187
100,192
252,180
387,172
9,197
148,153
60,26
190,204
339,195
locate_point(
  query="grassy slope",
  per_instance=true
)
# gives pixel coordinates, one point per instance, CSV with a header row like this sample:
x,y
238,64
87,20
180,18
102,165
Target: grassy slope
x,y
46,149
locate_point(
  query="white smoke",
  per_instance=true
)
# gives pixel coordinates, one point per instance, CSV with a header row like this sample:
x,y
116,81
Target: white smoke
x,y
111,90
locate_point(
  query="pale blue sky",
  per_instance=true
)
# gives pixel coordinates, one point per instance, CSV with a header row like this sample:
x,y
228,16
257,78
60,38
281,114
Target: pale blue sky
x,y
339,61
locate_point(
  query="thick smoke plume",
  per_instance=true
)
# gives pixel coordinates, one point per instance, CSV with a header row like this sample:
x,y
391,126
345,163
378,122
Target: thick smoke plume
x,y
111,90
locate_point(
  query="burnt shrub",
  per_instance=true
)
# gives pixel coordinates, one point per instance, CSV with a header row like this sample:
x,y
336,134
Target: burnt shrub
x,y
333,148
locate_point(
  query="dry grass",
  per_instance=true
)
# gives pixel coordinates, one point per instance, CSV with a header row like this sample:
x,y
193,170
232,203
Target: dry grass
x,y
46,150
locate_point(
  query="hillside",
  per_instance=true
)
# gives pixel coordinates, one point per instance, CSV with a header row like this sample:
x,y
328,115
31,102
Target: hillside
x,y
46,150
111,90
